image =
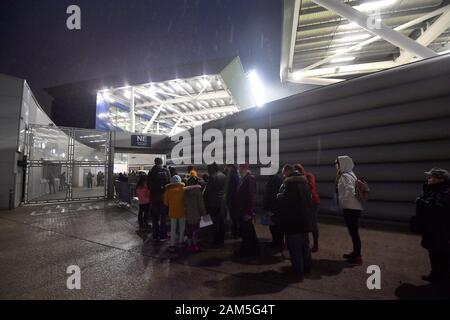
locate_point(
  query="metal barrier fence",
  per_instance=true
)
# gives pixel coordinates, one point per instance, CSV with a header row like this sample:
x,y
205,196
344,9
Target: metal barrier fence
x,y
65,164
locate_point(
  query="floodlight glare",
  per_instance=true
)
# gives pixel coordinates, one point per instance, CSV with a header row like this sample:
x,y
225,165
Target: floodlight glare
x,y
257,88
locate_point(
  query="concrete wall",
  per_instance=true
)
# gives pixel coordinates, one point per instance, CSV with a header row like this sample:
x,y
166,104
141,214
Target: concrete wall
x,y
395,125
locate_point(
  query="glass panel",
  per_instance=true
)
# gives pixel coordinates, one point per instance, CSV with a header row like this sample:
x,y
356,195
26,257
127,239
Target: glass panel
x,y
88,182
49,143
47,182
90,145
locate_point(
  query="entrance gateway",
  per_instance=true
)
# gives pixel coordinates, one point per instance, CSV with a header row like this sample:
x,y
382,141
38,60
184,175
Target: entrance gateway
x,y
66,164
72,164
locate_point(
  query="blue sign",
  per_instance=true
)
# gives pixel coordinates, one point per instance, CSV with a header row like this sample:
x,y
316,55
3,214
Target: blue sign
x,y
141,141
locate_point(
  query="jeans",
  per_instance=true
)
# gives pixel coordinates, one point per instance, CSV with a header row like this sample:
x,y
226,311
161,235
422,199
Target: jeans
x,y
249,238
143,214
315,231
218,225
300,252
181,222
159,220
351,218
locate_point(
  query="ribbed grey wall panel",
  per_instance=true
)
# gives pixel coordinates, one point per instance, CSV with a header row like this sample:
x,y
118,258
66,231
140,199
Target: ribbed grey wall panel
x,y
395,124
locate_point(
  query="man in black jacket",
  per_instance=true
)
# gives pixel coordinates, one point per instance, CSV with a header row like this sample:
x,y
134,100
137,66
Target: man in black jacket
x,y
433,222
158,178
215,202
271,209
296,218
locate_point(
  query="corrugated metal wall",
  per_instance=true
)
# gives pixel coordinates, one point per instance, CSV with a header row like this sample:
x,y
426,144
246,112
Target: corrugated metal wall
x,y
394,124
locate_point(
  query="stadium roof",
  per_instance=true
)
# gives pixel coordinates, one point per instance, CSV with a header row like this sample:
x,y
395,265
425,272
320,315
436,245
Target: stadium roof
x,y
328,41
166,100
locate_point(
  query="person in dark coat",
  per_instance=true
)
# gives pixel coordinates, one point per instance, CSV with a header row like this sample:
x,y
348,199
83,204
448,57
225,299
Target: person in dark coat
x,y
271,208
214,196
158,178
246,205
296,218
231,197
433,222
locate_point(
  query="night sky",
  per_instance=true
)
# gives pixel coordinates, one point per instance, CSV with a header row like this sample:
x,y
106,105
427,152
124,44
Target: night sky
x,y
127,35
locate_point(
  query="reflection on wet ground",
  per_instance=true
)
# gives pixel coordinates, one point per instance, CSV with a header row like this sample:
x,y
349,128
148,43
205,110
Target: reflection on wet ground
x,y
117,261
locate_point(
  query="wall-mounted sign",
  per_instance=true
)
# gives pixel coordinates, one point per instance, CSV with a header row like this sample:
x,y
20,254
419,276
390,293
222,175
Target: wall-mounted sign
x,y
141,141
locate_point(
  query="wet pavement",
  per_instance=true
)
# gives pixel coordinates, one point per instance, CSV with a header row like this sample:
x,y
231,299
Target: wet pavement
x,y
38,243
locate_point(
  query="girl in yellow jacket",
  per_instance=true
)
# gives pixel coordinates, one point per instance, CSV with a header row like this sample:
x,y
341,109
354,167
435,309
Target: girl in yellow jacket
x,y
173,198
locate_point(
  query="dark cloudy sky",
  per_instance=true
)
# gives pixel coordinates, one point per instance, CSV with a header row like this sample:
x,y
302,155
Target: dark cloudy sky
x,y
119,35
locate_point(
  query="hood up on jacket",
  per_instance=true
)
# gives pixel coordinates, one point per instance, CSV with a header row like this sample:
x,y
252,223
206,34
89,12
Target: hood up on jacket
x,y
346,164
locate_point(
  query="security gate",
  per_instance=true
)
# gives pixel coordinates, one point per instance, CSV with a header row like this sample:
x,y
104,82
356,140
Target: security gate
x,y
65,164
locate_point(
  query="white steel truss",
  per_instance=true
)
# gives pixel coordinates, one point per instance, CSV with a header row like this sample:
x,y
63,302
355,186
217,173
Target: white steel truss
x,y
411,49
170,106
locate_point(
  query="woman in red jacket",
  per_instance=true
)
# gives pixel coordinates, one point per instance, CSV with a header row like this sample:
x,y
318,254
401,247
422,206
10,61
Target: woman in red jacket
x,y
316,202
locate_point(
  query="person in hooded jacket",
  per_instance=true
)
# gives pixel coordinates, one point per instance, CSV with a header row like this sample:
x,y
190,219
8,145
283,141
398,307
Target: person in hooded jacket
x,y
316,202
296,218
173,199
433,223
350,205
195,209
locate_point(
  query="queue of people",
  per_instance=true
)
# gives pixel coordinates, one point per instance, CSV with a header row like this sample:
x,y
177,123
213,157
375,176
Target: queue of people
x,y
291,203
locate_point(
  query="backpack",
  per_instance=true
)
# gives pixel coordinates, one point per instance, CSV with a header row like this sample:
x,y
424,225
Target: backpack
x,y
362,190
